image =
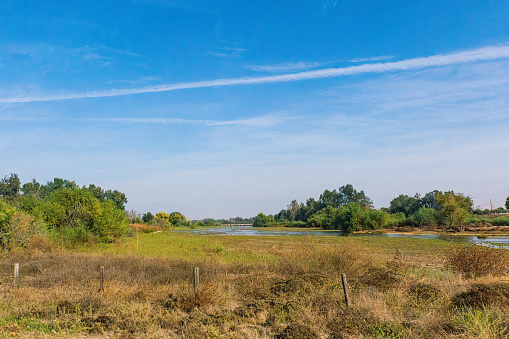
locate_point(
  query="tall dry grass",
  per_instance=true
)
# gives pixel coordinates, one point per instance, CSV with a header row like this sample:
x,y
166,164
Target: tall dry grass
x,y
297,295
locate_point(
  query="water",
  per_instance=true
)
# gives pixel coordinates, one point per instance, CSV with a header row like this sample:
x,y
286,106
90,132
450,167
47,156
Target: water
x,y
496,240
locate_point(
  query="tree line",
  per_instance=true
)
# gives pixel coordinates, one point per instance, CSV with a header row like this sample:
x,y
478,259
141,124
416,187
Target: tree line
x,y
350,210
59,209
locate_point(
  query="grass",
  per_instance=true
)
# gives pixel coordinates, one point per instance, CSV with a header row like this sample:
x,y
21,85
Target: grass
x,y
250,287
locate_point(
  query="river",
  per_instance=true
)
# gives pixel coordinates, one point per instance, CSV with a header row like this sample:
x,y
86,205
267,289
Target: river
x,y
495,240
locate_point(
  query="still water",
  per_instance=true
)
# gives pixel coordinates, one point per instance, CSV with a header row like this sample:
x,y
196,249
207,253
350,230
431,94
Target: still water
x,y
502,241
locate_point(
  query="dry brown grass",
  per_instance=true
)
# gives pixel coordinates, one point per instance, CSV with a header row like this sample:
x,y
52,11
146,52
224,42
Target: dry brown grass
x,y
300,296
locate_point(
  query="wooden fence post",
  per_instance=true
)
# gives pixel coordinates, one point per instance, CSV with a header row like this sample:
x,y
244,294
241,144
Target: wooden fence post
x,y
345,289
196,281
16,275
101,280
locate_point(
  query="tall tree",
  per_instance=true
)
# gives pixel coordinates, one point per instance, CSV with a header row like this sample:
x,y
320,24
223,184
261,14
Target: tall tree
x,y
9,187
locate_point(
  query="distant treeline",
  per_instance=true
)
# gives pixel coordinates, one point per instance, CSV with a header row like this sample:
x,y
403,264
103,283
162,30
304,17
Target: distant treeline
x,y
60,210
350,210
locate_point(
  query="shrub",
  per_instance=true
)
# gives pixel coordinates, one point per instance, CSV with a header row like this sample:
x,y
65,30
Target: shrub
x,y
425,216
397,220
475,260
481,295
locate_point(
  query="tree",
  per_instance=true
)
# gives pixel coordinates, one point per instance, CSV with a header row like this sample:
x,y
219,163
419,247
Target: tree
x,y
111,222
347,194
262,220
9,187
117,197
6,214
405,204
176,218
97,192
32,189
56,185
453,208
147,217
507,203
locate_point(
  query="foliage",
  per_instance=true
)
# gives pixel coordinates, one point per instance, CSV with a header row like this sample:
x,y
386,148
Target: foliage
x,y
453,208
176,218
507,204
397,219
262,220
61,207
147,217
111,222
350,218
474,260
425,216
6,214
9,187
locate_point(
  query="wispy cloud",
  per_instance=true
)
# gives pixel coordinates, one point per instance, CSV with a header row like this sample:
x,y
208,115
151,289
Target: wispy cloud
x,y
259,121
286,67
482,54
377,58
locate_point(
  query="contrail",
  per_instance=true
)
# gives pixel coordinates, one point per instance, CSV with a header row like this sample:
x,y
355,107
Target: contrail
x,y
482,54
10,103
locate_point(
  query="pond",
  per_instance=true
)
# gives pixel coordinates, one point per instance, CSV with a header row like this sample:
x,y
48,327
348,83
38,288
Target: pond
x,y
496,240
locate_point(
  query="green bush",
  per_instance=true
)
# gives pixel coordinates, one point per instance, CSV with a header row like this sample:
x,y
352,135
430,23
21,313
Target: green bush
x,y
397,220
425,216
111,222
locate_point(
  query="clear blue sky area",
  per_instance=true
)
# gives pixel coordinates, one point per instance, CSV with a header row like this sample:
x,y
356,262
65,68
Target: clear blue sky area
x,y
230,108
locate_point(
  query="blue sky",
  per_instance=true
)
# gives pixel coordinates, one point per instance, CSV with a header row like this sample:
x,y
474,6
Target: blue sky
x,y
230,108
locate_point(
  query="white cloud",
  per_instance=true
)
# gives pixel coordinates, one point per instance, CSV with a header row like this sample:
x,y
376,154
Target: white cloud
x,y
286,67
377,58
478,55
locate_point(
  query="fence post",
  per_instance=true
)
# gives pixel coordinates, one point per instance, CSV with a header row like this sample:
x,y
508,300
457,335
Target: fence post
x,y
196,281
101,280
345,289
16,274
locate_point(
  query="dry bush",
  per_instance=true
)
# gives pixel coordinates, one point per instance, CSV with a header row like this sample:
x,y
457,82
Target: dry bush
x,y
422,294
481,295
475,260
297,331
352,321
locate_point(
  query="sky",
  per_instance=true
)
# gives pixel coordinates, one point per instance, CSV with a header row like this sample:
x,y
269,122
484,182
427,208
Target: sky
x,y
227,108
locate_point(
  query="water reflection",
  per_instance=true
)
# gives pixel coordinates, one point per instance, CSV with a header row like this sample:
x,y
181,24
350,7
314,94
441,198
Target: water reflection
x,y
501,241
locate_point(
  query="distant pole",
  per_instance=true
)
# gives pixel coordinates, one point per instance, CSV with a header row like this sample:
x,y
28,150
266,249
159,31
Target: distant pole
x,y
345,289
196,281
101,280
491,207
16,274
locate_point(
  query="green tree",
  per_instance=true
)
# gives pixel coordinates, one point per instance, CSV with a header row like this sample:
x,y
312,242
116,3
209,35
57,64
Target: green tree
x,y
6,214
262,220
405,204
176,218
425,216
111,222
347,194
147,217
507,204
454,208
32,189
10,187
117,197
